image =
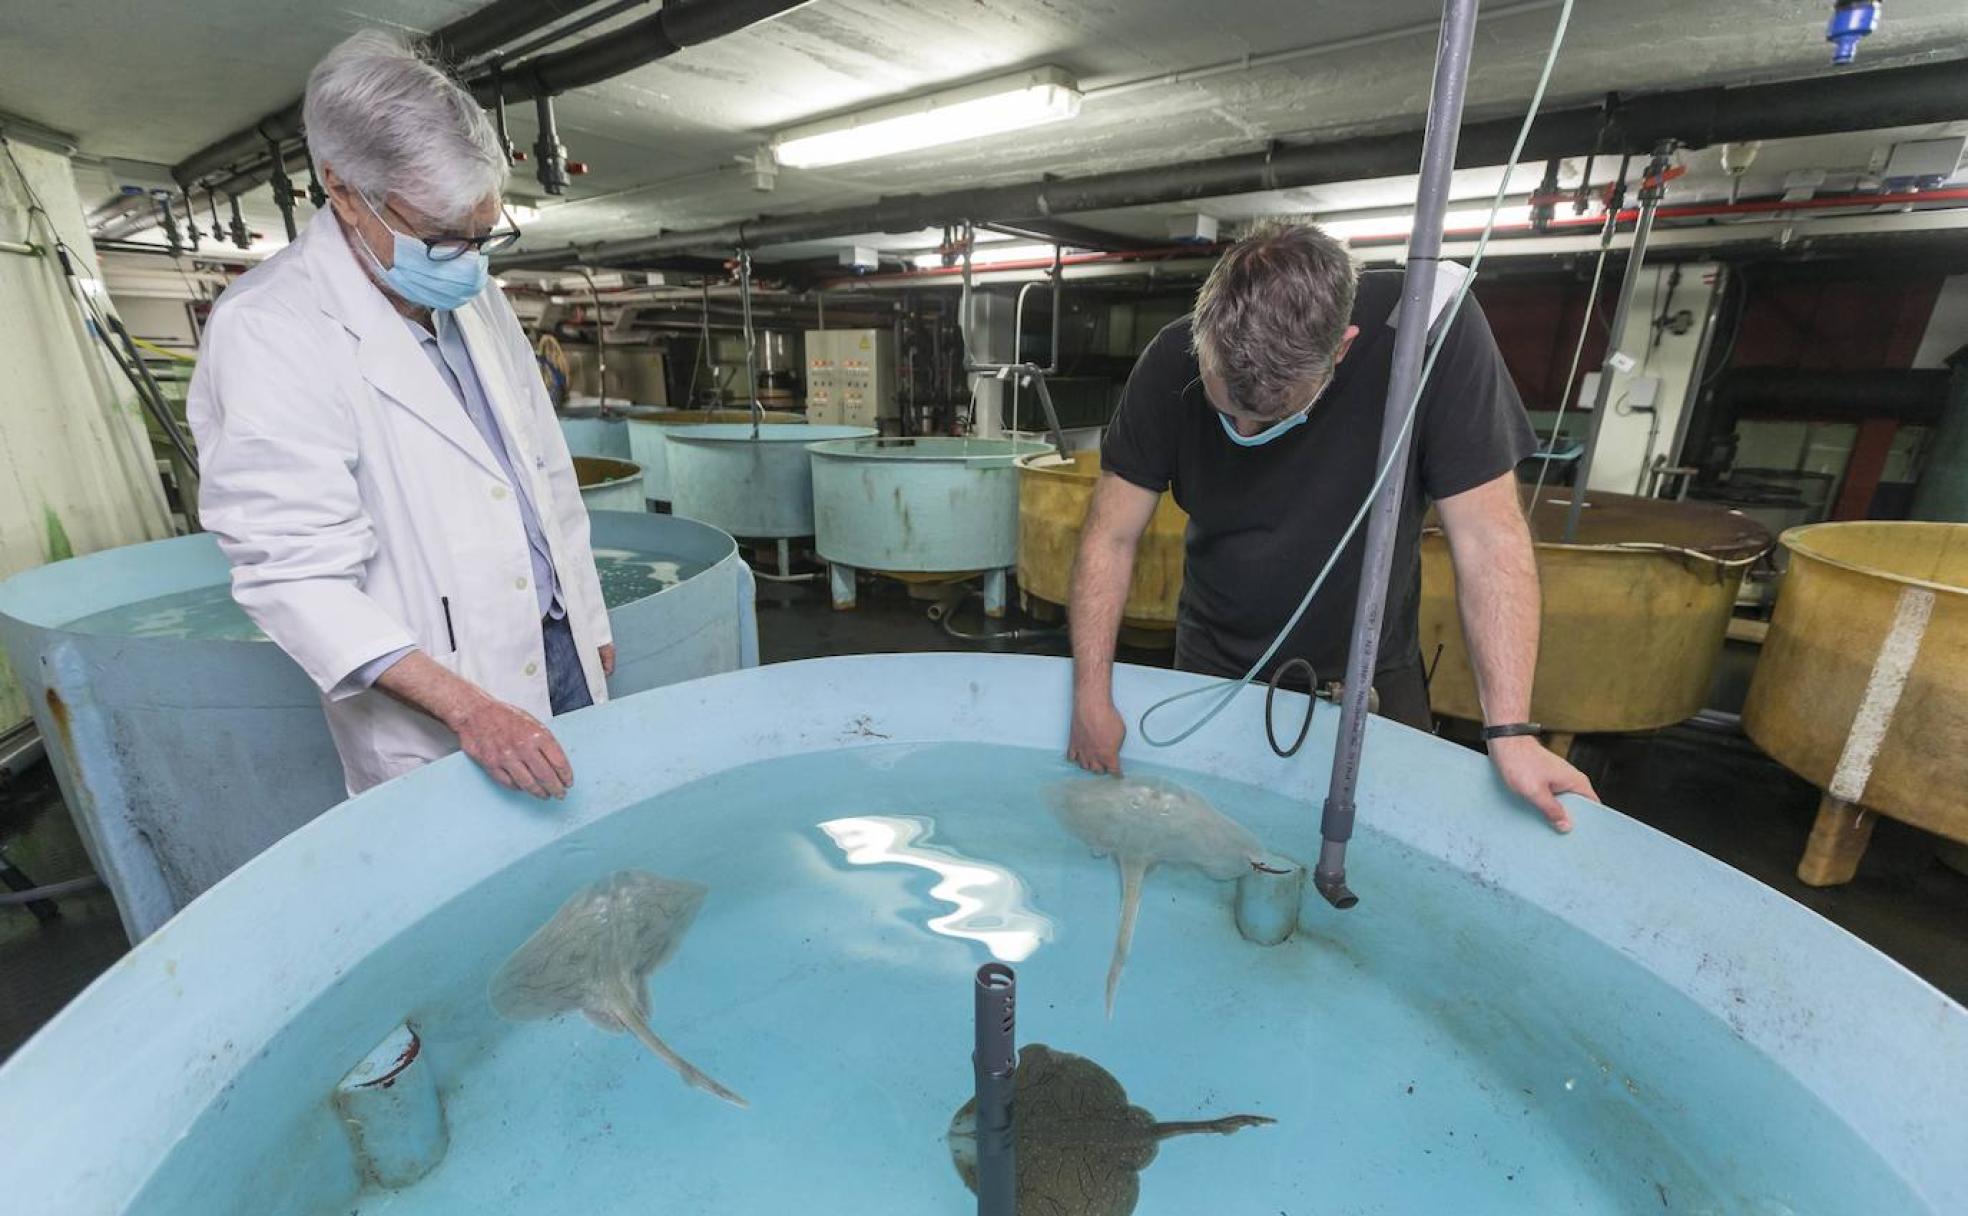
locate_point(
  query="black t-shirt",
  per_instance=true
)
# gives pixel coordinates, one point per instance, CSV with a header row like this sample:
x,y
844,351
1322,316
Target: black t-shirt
x,y
1263,519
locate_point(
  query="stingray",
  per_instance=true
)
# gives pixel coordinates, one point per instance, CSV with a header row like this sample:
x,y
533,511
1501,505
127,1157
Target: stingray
x,y
1145,822
596,954
1080,1145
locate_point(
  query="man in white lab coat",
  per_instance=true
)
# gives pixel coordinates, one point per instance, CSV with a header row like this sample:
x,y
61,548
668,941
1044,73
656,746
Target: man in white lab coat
x,y
379,460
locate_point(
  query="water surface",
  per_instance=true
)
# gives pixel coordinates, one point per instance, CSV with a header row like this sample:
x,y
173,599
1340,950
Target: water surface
x,y
1442,1048
209,613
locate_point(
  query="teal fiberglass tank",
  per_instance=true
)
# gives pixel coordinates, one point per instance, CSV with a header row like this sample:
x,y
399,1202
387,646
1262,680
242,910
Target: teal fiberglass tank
x,y
378,1015
596,436
750,486
926,506
184,742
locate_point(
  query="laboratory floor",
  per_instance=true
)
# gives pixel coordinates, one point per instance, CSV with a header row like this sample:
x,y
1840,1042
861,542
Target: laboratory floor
x,y
1715,792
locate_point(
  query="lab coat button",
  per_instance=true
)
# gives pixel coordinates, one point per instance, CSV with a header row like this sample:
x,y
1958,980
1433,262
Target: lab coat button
x,y
498,492
519,584
532,668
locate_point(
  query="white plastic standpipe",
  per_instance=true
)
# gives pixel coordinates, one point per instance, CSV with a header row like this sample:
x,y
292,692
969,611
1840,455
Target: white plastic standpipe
x,y
390,1108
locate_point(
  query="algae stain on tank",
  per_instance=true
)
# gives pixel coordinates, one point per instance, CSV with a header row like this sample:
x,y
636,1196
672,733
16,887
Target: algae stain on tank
x,y
59,547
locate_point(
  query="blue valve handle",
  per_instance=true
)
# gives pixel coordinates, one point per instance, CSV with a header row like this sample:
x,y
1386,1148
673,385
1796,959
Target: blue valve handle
x,y
1851,21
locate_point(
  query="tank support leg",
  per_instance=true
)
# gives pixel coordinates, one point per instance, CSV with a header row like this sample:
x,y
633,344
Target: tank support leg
x,y
1838,840
1559,743
994,594
840,579
785,558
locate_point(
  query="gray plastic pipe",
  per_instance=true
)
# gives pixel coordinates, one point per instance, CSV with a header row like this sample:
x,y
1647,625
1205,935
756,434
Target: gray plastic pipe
x,y
1652,186
1016,372
995,1062
1438,153
751,338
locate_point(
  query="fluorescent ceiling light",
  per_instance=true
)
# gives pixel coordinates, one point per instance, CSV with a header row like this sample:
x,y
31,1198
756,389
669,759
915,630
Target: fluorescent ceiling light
x,y
988,255
1384,226
972,111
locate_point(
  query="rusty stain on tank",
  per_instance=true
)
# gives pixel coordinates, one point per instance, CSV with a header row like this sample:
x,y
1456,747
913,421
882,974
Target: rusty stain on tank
x,y
58,710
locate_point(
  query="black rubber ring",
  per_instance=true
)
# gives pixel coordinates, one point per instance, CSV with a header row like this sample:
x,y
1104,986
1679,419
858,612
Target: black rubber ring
x,y
1311,701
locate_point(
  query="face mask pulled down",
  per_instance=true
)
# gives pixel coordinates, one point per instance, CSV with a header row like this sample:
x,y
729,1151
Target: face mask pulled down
x,y
1276,429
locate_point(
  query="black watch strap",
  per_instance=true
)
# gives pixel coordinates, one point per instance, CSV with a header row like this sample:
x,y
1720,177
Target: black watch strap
x,y
1510,729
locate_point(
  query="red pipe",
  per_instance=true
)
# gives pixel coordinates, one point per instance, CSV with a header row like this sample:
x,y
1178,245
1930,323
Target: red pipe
x,y
1768,206
1686,212
1165,253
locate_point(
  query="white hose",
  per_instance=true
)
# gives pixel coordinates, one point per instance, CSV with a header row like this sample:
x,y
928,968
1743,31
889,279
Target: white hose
x,y
1231,687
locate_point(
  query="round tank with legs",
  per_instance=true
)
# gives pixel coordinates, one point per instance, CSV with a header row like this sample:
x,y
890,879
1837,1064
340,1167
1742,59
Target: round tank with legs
x,y
1862,687
648,436
927,506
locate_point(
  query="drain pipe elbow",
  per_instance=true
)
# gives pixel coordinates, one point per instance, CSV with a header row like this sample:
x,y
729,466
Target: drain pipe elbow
x,y
1329,877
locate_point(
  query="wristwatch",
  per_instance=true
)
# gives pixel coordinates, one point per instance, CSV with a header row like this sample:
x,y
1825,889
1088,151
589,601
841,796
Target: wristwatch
x,y
1510,729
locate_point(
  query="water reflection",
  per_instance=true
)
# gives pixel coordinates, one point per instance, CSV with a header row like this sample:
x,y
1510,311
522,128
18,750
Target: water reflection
x,y
990,901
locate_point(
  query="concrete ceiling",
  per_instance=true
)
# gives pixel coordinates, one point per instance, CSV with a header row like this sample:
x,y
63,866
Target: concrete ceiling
x,y
152,81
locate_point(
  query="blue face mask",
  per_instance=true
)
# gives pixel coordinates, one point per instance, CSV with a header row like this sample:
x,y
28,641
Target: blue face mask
x,y
1276,429
1267,434
425,281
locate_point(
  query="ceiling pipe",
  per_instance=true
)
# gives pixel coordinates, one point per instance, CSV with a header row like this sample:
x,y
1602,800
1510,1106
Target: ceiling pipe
x,y
1503,235
561,33
1697,118
679,24
486,29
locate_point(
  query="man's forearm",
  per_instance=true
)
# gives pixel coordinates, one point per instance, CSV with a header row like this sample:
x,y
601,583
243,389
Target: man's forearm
x,y
418,681
1101,574
1497,594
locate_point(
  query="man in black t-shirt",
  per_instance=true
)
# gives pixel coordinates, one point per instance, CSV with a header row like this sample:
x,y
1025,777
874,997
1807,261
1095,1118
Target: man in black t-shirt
x,y
1261,412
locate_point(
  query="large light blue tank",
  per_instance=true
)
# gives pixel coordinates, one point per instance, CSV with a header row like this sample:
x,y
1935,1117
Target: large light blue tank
x,y
185,743
918,506
1510,1021
597,436
750,487
649,431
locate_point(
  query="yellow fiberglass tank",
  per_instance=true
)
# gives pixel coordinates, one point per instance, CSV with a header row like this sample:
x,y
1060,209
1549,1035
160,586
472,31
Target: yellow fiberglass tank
x,y
1053,496
1862,688
1635,612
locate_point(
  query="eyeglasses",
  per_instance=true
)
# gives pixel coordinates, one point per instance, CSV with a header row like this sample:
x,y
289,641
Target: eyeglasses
x,y
450,248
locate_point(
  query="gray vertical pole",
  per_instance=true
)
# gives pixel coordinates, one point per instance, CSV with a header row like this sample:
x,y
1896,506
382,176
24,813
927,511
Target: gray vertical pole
x,y
1651,188
1417,291
995,1061
751,347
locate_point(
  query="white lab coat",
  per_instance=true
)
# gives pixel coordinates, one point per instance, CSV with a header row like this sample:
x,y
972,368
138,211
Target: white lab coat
x,y
355,498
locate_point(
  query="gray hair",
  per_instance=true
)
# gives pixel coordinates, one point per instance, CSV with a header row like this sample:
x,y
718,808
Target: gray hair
x,y
1270,317
389,119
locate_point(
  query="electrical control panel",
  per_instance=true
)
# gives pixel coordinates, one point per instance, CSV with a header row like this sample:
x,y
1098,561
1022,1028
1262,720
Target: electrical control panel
x,y
850,377
822,377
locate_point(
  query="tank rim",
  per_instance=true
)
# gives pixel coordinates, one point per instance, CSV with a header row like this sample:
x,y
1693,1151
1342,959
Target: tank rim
x,y
897,449
661,415
1794,539
770,432
615,471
